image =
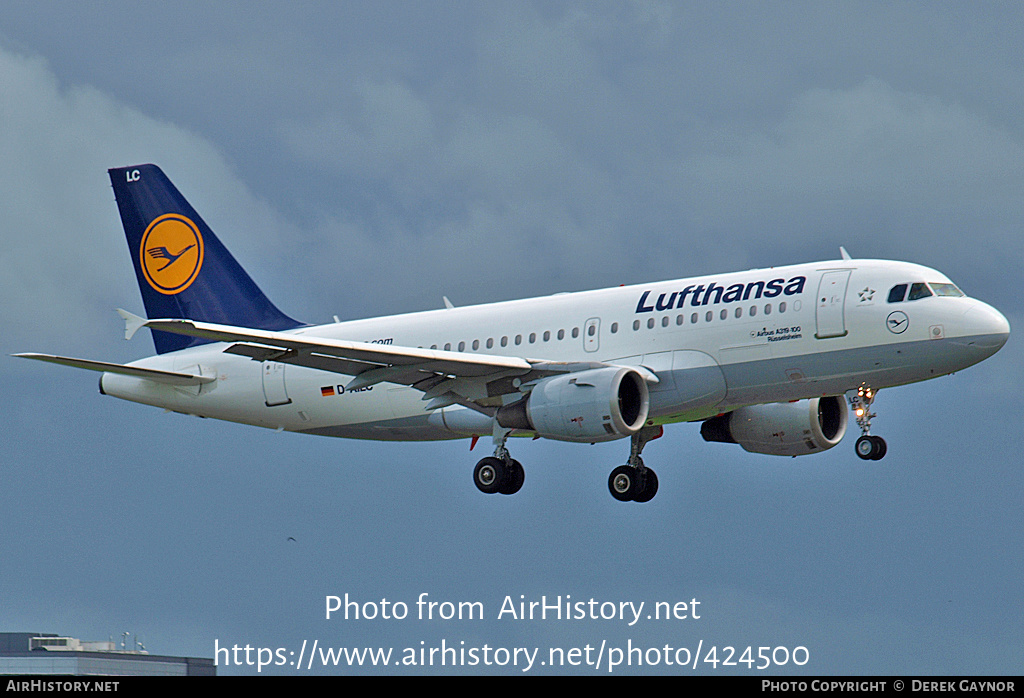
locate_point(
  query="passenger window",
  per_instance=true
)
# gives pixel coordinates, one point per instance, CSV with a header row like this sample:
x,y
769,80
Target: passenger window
x,y
918,290
650,323
504,341
768,309
679,319
724,314
476,344
664,321
561,335
575,332
447,346
533,337
490,342
547,335
462,346
708,315
615,327
753,310
782,307
897,293
739,312
636,325
519,339
693,319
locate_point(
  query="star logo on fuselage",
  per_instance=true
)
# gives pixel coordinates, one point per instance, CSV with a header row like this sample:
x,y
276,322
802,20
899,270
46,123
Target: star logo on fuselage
x,y
867,295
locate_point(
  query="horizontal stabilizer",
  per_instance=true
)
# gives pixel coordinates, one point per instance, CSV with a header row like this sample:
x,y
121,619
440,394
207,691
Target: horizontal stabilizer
x,y
167,377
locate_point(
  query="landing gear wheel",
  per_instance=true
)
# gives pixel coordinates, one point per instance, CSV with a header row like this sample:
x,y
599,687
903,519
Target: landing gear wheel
x,y
490,475
650,487
871,447
881,448
625,483
514,477
865,448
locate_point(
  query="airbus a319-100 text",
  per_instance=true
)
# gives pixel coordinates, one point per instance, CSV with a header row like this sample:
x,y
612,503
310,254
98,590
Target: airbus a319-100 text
x,y
766,358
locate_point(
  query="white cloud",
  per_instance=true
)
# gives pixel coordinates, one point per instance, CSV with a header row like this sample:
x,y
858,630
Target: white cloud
x,y
64,265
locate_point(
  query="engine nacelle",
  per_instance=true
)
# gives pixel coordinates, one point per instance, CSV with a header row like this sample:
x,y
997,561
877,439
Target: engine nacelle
x,y
783,428
601,404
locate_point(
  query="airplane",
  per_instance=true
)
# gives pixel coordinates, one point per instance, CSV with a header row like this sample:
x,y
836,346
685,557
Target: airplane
x,y
766,358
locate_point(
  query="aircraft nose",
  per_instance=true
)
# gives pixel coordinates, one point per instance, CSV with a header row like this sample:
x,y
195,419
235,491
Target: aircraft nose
x,y
987,327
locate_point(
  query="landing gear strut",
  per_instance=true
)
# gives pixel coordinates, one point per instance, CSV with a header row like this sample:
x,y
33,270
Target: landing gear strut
x,y
635,482
500,473
868,447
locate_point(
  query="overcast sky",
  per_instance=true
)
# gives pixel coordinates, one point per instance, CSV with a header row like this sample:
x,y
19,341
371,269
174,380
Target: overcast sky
x,y
366,158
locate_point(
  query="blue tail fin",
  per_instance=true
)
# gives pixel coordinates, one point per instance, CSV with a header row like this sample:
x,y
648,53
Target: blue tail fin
x,y
183,269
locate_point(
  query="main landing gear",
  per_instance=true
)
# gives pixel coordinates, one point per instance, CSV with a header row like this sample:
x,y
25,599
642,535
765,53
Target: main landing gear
x,y
494,475
632,482
868,447
499,474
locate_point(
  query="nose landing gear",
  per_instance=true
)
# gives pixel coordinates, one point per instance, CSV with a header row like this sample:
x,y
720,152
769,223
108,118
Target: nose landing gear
x,y
868,447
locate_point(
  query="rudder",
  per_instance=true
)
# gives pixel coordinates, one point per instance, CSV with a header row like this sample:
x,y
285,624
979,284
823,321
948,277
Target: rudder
x,y
183,270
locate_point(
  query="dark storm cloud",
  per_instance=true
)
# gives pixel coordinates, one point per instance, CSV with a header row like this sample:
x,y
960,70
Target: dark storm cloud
x,y
365,158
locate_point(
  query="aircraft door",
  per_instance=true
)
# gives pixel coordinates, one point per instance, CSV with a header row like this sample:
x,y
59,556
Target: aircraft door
x,y
592,334
829,313
274,391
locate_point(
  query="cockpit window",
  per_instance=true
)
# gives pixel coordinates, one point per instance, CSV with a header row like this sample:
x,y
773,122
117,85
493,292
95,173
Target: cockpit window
x,y
946,290
897,293
918,290
922,290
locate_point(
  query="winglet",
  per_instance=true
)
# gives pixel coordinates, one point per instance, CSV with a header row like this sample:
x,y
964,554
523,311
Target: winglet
x,y
447,303
844,253
132,322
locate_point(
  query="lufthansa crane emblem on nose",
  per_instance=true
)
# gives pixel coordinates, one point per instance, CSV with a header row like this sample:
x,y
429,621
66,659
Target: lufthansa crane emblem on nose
x,y
897,322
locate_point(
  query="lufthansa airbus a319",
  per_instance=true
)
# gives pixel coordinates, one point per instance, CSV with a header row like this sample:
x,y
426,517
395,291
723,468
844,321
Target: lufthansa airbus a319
x,y
767,358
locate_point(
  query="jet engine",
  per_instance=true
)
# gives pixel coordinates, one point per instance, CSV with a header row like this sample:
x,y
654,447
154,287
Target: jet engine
x,y
783,428
601,404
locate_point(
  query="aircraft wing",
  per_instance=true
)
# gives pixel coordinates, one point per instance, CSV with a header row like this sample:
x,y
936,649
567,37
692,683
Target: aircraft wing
x,y
168,377
477,381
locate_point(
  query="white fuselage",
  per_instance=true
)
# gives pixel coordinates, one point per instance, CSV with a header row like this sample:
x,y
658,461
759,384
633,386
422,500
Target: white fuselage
x,y
715,343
